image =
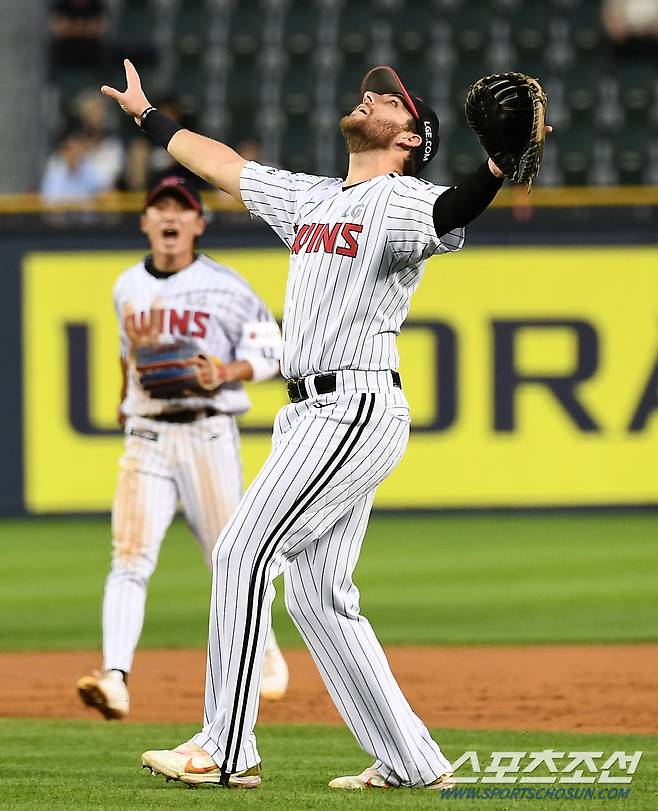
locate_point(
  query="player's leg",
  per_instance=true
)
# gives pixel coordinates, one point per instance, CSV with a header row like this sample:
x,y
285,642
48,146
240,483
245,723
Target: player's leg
x,y
323,461
209,477
237,599
324,604
274,675
144,505
210,483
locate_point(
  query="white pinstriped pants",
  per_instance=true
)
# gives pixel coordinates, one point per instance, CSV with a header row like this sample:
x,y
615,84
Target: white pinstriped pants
x,y
306,514
199,463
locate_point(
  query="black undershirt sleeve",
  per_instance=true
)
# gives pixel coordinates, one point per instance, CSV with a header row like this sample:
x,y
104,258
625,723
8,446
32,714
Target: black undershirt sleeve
x,y
460,205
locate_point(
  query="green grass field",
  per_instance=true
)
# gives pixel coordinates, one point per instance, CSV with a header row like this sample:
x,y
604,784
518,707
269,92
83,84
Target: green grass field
x,y
442,579
423,580
79,765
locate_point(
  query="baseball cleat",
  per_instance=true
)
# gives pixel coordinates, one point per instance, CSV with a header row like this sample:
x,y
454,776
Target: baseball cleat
x,y
105,692
274,678
192,765
196,775
170,762
371,778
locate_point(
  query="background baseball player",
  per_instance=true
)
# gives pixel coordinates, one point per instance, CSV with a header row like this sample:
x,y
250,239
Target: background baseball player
x,y
357,251
179,313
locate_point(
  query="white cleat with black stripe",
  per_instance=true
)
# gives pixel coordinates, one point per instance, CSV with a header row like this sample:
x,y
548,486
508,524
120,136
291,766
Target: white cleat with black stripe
x,y
371,778
192,765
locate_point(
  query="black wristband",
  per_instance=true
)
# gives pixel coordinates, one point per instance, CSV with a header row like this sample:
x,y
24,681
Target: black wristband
x,y
145,113
158,127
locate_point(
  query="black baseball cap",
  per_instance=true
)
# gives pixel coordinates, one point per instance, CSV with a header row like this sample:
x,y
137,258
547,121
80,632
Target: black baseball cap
x,y
383,79
175,186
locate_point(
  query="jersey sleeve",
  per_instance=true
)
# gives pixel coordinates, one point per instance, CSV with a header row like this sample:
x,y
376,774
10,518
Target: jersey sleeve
x,y
410,221
260,340
272,194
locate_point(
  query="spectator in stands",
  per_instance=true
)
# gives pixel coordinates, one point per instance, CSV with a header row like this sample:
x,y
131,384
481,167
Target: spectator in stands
x,y
70,175
250,149
632,25
104,149
78,29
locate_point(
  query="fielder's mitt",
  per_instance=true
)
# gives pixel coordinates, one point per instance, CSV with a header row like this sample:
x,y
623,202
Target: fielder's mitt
x,y
169,371
507,112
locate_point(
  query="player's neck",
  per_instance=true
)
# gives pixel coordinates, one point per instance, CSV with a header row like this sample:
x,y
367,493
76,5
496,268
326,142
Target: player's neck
x,y
172,263
375,162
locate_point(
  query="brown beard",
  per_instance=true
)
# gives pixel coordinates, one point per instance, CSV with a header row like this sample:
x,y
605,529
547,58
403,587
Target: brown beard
x,y
362,134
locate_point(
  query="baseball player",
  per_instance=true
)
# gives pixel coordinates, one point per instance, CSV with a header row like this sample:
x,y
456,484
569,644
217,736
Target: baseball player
x,y
357,250
181,436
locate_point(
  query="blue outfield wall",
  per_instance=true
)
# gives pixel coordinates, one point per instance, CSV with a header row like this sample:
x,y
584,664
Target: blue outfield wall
x,y
11,419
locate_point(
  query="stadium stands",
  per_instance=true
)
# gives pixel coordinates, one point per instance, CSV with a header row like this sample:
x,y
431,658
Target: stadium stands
x,y
282,71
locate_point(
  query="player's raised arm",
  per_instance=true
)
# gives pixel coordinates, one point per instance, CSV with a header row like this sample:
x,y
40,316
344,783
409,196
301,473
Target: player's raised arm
x,y
213,161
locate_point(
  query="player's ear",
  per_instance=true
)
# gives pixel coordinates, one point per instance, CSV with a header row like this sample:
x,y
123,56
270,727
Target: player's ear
x,y
410,140
200,225
142,223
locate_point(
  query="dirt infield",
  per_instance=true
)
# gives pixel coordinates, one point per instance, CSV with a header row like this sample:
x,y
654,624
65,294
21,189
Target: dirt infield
x,y
597,688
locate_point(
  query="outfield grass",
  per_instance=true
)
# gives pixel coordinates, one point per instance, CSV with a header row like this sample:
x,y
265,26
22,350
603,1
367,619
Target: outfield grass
x,y
423,580
71,765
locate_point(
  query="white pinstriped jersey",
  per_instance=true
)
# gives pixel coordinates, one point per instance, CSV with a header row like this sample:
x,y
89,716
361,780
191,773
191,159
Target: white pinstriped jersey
x,y
209,305
357,255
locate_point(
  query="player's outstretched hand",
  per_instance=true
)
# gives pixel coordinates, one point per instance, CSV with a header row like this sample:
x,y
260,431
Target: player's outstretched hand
x,y
132,100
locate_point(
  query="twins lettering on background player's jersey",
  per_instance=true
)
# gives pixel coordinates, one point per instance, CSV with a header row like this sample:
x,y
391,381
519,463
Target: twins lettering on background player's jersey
x,y
177,323
357,255
205,303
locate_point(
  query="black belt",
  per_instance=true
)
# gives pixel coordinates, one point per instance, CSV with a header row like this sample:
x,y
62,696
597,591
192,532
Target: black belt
x,y
323,384
184,416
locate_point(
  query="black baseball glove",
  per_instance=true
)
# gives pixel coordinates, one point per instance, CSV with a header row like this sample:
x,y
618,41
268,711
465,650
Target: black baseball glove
x,y
169,371
507,112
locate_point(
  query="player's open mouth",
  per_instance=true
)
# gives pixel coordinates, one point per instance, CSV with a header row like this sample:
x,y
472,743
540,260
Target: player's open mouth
x,y
361,109
170,233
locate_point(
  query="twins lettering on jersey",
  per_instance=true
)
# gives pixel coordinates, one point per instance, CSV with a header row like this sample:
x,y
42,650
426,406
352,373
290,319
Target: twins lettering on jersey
x,y
341,238
193,323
